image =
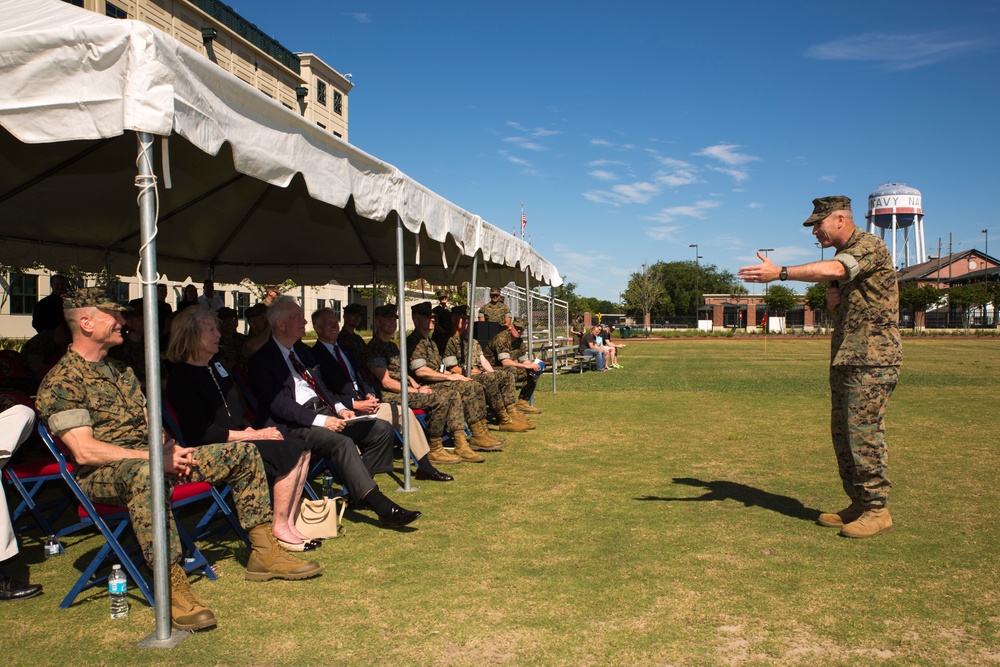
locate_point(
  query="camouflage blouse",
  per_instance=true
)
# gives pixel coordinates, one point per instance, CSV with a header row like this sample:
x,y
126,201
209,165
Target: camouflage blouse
x,y
455,353
866,324
381,354
504,346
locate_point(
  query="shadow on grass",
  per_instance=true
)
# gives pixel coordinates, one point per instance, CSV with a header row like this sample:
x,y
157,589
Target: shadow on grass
x,y
748,495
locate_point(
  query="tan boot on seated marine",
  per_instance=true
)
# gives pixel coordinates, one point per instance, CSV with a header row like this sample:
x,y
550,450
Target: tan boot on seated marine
x,y
186,611
874,521
268,560
508,423
439,455
519,416
482,440
527,408
846,515
463,450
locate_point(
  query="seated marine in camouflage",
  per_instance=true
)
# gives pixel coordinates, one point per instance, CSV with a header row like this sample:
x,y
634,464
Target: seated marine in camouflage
x,y
442,405
348,336
425,364
508,351
95,406
499,387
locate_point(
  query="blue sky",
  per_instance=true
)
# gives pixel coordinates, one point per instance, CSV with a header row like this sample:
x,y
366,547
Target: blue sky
x,y
631,130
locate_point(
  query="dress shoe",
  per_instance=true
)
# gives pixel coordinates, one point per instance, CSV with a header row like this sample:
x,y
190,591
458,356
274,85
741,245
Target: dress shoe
x,y
12,589
398,517
433,475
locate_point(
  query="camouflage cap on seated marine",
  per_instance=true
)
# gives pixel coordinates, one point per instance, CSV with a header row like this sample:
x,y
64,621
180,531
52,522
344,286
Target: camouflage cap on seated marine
x,y
422,308
824,206
519,323
355,309
460,311
387,311
90,297
441,294
255,310
494,291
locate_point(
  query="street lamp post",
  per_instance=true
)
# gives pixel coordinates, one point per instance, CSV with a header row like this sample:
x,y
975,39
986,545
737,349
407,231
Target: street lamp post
x,y
821,249
697,278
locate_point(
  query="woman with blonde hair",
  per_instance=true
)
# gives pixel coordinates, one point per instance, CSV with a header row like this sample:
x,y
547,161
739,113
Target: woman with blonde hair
x,y
209,408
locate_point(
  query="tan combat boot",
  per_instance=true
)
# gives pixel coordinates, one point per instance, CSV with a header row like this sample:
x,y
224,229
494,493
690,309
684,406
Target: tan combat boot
x,y
438,454
508,423
874,521
518,416
186,611
844,516
527,408
463,450
268,560
482,440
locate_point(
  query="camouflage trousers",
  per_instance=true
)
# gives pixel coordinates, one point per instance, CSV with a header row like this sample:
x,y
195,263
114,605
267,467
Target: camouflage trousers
x,y
443,409
498,387
473,398
522,375
859,395
128,483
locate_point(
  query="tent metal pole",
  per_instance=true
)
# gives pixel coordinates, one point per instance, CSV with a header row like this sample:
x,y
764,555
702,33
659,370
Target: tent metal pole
x,y
147,229
472,297
404,379
552,332
527,305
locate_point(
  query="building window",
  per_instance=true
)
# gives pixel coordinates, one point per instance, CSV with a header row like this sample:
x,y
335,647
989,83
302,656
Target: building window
x,y
320,304
118,291
321,125
78,3
241,300
338,102
338,135
23,294
114,11
321,92
335,306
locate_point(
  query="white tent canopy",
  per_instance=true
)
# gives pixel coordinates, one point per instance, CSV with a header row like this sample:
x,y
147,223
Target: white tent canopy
x,y
255,190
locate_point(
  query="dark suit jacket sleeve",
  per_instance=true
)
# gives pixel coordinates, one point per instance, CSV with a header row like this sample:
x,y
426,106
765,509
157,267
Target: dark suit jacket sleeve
x,y
271,382
341,387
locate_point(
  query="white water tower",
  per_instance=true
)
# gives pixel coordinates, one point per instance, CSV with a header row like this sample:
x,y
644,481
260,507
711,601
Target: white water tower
x,y
897,207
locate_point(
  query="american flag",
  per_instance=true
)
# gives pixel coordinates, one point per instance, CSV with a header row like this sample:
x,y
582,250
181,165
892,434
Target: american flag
x,y
524,223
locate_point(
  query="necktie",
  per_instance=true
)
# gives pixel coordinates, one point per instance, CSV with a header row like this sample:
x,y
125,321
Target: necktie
x,y
307,376
347,369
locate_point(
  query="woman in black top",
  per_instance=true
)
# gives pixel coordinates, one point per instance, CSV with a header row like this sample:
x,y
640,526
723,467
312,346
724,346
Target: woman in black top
x,y
209,409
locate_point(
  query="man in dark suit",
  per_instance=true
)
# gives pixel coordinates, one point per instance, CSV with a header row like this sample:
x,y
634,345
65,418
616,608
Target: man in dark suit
x,y
287,381
341,371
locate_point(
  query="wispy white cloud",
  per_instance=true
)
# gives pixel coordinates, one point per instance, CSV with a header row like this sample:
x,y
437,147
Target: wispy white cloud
x,y
525,143
755,204
361,17
895,52
605,163
677,172
527,166
726,154
696,210
663,232
739,175
828,178
624,193
600,142
602,175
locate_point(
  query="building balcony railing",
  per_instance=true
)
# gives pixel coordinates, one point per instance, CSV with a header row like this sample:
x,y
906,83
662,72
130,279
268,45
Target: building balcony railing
x,y
228,17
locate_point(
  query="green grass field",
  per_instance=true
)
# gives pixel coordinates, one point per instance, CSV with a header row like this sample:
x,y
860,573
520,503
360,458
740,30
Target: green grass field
x,y
663,514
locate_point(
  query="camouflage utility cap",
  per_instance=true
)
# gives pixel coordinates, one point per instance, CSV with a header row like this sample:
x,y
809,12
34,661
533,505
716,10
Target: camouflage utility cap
x,y
90,297
461,311
388,311
441,294
519,323
824,206
355,309
494,291
422,308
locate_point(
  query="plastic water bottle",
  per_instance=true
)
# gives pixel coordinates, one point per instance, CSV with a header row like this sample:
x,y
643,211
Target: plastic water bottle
x,y
117,587
52,547
327,480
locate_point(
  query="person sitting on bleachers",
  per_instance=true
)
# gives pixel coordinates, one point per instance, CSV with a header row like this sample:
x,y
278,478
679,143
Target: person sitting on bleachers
x,y
590,348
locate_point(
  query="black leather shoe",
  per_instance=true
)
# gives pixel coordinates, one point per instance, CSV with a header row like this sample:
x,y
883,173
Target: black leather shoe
x,y
12,589
398,518
433,475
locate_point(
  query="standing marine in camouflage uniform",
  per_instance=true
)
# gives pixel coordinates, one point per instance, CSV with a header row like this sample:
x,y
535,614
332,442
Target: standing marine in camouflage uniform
x,y
353,314
95,406
508,351
442,321
864,361
499,386
425,364
442,405
495,310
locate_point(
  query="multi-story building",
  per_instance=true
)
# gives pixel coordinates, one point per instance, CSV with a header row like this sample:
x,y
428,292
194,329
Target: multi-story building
x,y
299,81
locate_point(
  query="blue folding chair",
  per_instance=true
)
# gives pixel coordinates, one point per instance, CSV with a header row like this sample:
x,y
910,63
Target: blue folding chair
x,y
111,521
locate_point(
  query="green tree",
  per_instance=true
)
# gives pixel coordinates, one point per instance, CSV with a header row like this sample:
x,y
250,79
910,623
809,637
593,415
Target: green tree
x,y
780,299
967,297
259,290
683,282
645,293
816,300
918,298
